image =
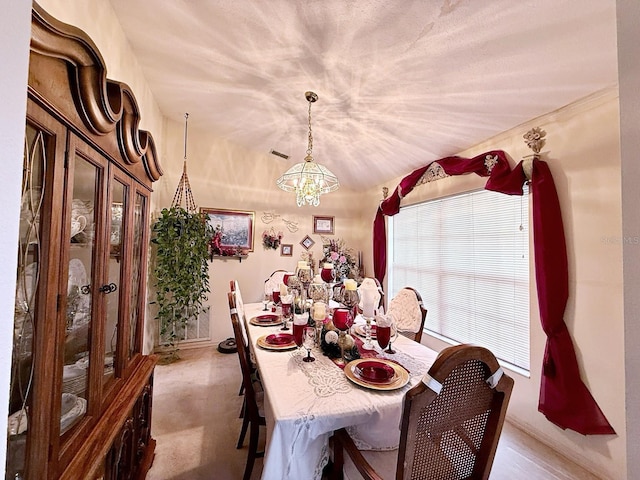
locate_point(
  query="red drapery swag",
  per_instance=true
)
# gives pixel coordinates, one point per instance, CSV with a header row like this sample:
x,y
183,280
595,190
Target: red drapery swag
x,y
564,398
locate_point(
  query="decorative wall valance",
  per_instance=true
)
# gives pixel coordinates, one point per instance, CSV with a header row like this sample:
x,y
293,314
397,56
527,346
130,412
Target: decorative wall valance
x,y
564,398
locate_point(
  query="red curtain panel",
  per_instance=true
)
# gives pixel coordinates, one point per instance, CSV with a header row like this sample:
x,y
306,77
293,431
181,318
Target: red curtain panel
x,y
564,398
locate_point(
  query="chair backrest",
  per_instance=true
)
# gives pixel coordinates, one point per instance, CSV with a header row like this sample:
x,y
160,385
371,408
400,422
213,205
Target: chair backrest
x,y
454,434
274,280
243,354
408,312
234,286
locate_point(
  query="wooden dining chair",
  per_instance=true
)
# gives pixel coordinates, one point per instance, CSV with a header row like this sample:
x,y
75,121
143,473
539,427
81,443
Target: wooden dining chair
x,y
234,286
450,427
253,410
409,313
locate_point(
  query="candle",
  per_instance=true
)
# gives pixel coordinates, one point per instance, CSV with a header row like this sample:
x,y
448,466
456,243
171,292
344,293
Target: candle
x,y
283,289
302,264
319,311
350,284
328,266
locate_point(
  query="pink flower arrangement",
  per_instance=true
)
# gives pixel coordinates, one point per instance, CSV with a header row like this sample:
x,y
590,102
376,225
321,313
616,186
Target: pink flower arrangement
x,y
337,252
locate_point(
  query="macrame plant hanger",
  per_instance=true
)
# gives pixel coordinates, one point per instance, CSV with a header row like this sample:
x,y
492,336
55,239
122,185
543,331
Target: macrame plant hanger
x,y
184,189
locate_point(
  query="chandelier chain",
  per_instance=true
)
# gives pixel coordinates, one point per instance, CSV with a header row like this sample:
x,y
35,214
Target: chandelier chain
x,y
310,147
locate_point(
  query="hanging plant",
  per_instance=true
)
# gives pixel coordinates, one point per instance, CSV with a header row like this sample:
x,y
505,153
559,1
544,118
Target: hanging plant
x,y
181,269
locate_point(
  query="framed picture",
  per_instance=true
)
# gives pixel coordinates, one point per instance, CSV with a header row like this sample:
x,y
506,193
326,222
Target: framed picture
x,y
236,227
307,242
286,250
323,225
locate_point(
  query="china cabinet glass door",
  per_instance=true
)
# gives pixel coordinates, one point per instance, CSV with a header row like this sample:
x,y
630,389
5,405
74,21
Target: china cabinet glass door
x,y
27,282
112,289
139,221
82,221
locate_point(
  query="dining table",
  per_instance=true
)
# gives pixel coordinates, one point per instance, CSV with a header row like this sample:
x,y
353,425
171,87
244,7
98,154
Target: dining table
x,y
306,401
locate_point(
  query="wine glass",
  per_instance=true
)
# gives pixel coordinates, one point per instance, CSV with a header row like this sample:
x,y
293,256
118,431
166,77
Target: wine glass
x,y
286,311
299,324
276,296
328,274
309,340
350,299
393,335
383,334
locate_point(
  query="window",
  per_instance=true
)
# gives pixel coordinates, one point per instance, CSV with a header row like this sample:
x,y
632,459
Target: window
x,y
468,256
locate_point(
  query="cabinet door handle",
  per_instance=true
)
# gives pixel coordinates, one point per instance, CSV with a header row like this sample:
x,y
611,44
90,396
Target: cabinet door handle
x,y
109,288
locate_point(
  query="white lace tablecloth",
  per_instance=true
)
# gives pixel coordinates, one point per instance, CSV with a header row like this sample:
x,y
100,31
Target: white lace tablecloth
x,y
306,402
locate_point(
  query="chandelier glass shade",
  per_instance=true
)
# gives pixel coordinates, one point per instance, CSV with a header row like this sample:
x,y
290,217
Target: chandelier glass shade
x,y
308,179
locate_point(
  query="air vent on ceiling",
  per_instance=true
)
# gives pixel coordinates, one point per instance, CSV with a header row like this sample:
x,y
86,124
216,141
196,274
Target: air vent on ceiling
x,y
278,154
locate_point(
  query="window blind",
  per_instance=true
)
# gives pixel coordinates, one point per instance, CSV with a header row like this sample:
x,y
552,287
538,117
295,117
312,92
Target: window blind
x,y
468,256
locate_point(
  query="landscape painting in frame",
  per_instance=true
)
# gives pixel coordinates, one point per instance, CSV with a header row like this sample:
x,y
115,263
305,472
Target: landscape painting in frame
x,y
236,225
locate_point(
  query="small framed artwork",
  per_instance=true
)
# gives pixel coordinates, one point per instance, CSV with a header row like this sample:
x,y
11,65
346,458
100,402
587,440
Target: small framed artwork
x,y
307,242
286,250
236,227
323,225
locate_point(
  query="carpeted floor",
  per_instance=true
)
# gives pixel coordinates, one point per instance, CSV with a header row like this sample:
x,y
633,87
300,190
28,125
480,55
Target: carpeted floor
x,y
195,418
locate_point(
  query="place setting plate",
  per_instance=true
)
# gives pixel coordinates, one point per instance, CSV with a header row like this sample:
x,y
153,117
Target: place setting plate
x,y
277,341
359,329
266,320
377,374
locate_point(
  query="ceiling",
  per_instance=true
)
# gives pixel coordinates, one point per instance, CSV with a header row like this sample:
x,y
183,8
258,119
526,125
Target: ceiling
x,y
400,83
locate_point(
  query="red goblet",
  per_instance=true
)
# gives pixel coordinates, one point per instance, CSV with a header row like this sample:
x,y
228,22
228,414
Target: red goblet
x,y
342,318
383,334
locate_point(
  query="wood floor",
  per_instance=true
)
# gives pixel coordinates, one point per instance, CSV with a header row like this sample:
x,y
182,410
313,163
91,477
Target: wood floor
x,y
196,425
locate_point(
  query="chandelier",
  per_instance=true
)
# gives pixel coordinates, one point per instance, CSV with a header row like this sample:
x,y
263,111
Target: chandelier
x,y
308,179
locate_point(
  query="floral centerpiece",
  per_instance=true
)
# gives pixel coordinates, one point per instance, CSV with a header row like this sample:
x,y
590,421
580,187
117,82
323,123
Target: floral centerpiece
x,y
271,239
341,256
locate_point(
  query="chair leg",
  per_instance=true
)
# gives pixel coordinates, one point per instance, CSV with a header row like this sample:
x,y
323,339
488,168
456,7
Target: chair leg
x,y
241,391
253,447
336,472
244,408
243,431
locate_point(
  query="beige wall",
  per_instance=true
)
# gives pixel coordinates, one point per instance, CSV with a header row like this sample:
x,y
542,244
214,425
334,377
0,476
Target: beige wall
x,y
226,176
583,153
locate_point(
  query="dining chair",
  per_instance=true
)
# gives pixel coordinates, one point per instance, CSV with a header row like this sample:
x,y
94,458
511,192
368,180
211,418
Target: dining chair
x,y
234,286
408,313
450,426
253,416
274,280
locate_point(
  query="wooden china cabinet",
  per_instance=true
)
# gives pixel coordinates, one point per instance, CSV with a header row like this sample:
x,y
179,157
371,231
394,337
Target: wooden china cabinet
x,y
81,389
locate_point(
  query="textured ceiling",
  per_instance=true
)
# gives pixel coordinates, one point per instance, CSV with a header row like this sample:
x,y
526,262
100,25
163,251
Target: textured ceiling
x,y
400,83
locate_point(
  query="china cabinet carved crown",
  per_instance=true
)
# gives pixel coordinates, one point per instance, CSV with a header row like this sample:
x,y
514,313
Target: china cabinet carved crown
x,y
81,389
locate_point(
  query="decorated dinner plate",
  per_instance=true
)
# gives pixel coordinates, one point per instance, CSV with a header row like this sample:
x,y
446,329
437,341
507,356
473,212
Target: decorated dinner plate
x,y
377,374
277,341
266,320
359,329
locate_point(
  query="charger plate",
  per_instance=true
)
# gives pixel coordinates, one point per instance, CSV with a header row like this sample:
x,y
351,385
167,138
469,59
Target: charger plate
x,y
266,320
400,380
284,341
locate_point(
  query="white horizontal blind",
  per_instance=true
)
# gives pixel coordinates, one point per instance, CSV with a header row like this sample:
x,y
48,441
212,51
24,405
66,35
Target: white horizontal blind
x,y
468,256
